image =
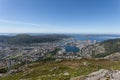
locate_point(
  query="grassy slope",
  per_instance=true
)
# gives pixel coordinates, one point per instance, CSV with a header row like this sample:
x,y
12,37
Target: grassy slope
x,y
45,71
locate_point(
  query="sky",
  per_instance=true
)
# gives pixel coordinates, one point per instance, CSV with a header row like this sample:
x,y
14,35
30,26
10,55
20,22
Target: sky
x,y
60,16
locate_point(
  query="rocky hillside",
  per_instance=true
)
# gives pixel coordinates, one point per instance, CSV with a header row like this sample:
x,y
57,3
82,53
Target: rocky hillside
x,y
102,49
102,74
92,50
62,70
114,56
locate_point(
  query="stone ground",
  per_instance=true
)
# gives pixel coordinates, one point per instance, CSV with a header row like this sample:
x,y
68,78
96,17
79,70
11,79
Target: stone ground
x,y
102,74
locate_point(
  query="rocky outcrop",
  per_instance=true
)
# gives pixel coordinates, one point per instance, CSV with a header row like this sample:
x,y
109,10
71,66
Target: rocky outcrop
x,y
102,74
114,56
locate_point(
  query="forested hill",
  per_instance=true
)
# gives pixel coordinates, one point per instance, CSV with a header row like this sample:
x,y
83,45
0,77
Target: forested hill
x,y
27,39
112,45
103,49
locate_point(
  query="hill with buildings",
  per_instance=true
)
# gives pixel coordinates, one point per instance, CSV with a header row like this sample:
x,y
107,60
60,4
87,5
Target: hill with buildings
x,y
28,39
102,49
47,60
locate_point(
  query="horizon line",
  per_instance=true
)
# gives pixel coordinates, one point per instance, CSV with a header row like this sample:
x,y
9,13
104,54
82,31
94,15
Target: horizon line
x,y
58,33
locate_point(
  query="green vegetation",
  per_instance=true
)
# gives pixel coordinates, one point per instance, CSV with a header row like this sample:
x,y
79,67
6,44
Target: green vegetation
x,y
3,70
28,39
101,55
63,70
50,56
111,46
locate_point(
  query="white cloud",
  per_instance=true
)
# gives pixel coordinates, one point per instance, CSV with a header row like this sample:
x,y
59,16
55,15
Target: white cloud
x,y
23,23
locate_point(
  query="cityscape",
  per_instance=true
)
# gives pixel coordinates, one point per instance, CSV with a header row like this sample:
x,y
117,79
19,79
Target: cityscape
x,y
59,39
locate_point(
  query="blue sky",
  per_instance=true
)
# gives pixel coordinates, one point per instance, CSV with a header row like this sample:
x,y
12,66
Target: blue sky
x,y
60,16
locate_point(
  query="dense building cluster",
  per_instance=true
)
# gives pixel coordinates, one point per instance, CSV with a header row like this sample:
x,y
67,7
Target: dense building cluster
x,y
19,54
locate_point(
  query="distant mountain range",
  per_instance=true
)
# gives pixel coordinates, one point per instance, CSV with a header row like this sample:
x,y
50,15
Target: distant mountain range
x,y
27,39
